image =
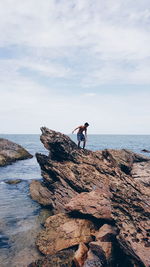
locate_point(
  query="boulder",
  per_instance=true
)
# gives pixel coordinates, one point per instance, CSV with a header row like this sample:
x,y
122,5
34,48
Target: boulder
x,y
95,203
80,255
40,193
69,172
11,152
62,232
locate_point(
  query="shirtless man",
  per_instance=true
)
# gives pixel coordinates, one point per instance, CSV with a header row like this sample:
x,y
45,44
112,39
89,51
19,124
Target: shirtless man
x,y
80,135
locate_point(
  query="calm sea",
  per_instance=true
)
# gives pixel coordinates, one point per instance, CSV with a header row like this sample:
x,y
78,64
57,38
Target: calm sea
x,y
21,217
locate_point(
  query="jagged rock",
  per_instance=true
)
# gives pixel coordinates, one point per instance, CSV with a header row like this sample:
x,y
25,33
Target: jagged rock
x,y
62,232
106,233
105,239
141,172
95,203
10,152
69,171
40,193
80,255
95,257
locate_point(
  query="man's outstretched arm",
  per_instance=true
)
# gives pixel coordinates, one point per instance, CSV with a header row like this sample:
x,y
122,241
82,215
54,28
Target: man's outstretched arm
x,y
75,129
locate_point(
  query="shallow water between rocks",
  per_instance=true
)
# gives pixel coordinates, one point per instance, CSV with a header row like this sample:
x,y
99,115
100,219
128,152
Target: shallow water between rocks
x,y
21,218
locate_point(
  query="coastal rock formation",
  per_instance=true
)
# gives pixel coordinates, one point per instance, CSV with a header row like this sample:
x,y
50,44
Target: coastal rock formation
x,y
62,232
11,152
96,187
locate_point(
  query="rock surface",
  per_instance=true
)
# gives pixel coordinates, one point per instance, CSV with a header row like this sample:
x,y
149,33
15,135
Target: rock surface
x,y
11,152
62,232
95,203
69,172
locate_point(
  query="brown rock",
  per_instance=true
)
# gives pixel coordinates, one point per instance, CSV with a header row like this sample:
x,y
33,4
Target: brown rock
x,y
95,203
69,171
141,172
80,255
40,193
10,152
95,257
63,258
63,232
106,233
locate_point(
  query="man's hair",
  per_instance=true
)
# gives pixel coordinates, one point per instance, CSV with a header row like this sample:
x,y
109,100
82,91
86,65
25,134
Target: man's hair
x,y
86,124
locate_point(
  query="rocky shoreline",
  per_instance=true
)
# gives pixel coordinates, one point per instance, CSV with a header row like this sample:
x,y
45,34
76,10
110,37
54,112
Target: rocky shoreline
x,y
11,152
100,205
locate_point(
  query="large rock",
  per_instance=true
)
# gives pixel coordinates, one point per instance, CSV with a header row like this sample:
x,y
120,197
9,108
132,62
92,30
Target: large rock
x,y
95,203
10,152
40,193
62,232
69,171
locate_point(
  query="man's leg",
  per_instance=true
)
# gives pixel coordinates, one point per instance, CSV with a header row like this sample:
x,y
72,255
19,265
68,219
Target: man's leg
x,y
84,142
79,144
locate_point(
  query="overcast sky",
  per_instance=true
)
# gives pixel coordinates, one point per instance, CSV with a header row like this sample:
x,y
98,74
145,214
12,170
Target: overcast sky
x,y
65,62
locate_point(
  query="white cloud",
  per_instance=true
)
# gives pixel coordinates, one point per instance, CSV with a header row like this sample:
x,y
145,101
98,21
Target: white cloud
x,y
80,44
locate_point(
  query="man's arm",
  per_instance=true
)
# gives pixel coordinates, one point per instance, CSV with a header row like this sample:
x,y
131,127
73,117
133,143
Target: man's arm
x,y
85,132
75,129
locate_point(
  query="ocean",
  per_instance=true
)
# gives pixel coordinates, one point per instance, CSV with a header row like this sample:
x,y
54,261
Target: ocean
x,y
21,217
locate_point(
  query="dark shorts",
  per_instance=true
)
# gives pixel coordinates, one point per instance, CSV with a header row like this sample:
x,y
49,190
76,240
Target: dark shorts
x,y
80,137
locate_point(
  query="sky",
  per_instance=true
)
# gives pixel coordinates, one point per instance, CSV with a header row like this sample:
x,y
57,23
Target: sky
x,y
67,62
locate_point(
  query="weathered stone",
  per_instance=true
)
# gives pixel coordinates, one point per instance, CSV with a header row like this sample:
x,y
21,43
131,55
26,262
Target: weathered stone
x,y
95,257
106,233
95,203
141,172
80,255
40,193
69,171
11,152
62,232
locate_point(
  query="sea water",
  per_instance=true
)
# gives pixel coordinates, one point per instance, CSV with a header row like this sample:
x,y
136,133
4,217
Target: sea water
x,y
20,216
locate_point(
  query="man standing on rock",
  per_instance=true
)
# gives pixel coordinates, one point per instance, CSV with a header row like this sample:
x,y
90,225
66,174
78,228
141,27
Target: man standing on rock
x,y
80,136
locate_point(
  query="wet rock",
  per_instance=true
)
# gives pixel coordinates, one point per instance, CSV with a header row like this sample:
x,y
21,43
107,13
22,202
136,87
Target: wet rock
x,y
11,152
16,181
68,172
40,193
63,258
62,232
95,203
146,150
80,255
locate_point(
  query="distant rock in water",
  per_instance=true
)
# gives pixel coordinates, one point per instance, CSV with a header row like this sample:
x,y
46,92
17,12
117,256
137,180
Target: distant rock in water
x,y
99,199
16,181
146,150
11,152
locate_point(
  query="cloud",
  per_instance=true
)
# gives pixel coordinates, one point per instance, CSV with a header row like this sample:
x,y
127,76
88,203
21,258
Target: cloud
x,y
58,54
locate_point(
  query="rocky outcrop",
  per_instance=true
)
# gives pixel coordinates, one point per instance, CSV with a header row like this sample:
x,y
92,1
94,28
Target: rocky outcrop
x,y
97,187
96,203
62,232
11,152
